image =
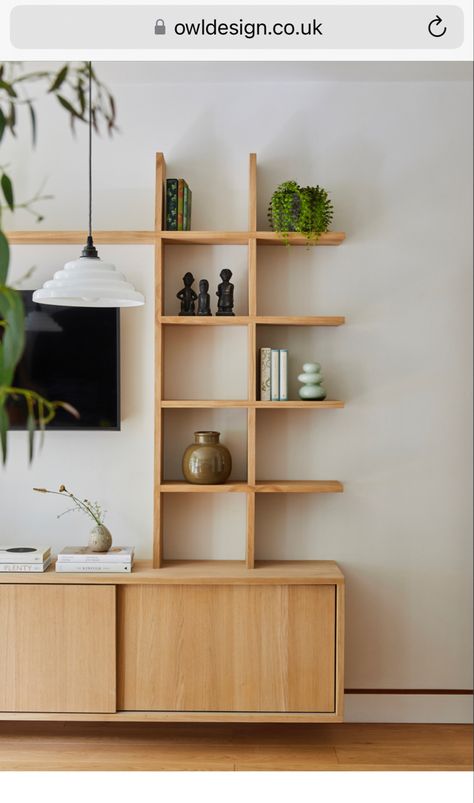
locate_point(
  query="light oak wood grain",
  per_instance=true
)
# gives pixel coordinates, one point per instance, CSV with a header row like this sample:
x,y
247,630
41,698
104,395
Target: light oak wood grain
x,y
58,648
268,486
262,320
227,648
27,746
292,404
136,237
226,572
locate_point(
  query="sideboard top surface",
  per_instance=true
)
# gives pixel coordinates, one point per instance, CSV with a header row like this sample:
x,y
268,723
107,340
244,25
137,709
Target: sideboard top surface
x,y
307,572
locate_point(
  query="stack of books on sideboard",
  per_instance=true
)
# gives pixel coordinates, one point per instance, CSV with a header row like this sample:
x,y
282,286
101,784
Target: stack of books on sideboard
x,y
24,558
178,205
273,374
82,559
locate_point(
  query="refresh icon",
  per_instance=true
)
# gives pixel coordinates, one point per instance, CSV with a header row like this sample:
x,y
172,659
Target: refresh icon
x,y
434,29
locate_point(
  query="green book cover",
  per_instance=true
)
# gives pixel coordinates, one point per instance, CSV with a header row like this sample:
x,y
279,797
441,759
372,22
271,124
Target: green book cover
x,y
171,204
190,203
186,207
180,203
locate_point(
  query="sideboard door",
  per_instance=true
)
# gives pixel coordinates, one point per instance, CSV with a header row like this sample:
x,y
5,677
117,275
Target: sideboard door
x,y
57,651
249,648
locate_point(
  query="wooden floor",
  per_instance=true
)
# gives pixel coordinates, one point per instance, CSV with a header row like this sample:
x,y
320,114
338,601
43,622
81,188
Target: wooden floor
x,y
95,746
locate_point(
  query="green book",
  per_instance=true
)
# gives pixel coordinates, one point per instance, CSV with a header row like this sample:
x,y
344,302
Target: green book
x,y
181,183
190,200
172,204
186,208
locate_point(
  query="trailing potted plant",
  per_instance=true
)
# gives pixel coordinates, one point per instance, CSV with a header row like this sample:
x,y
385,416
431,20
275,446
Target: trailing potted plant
x,y
68,85
308,210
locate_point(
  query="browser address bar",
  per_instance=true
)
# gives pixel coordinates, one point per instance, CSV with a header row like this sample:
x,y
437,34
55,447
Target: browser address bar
x,y
236,27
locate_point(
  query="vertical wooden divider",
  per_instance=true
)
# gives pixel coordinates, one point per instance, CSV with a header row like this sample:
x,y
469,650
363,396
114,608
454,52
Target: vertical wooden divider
x,y
252,367
160,176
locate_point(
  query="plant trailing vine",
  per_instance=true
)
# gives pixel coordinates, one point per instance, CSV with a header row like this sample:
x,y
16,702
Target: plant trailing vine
x,y
69,86
307,210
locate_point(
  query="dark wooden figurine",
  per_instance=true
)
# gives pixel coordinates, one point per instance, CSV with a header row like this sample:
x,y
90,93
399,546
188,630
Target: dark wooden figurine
x,y
187,296
225,294
204,299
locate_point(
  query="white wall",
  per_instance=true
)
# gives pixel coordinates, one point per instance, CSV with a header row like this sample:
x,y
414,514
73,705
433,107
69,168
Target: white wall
x,y
396,158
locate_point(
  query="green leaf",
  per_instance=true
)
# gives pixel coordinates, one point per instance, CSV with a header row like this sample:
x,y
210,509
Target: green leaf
x,y
13,342
7,188
69,107
60,78
4,258
32,120
4,423
3,123
8,88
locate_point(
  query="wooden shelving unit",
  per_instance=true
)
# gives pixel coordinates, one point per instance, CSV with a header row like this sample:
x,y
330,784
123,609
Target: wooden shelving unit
x,y
273,629
251,238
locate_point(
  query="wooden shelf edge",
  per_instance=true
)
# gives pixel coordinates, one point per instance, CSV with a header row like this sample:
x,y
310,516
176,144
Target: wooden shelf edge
x,y
293,404
79,237
179,572
266,486
246,320
149,237
175,716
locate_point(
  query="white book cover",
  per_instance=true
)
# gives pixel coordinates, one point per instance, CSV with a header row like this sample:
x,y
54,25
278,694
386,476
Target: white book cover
x,y
83,554
283,374
25,567
275,376
265,371
24,554
81,568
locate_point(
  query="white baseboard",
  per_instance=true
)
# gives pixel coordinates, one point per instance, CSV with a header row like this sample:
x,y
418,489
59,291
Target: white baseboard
x,y
429,708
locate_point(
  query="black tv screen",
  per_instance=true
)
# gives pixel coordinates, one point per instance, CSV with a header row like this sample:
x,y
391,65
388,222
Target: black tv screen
x,y
72,354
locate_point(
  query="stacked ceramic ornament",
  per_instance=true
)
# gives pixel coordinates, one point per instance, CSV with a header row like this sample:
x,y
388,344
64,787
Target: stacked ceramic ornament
x,y
311,379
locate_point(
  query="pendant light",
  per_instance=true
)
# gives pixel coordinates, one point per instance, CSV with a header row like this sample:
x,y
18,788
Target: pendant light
x,y
87,281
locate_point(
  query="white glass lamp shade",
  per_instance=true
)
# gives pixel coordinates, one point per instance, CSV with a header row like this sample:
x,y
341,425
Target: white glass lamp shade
x,y
88,282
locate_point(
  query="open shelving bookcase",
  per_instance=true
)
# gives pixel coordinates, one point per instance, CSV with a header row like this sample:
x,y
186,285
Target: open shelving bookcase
x,y
251,238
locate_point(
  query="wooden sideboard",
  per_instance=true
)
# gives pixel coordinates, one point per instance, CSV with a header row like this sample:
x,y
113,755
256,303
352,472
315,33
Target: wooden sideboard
x,y
198,641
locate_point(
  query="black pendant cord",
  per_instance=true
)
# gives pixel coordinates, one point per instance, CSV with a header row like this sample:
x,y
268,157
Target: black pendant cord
x,y
89,250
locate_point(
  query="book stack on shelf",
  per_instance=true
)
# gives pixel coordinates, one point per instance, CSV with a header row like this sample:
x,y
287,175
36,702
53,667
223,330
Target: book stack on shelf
x,y
82,559
273,374
24,558
178,205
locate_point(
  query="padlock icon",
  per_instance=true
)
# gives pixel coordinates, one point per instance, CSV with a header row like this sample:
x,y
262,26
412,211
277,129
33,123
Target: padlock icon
x,y
160,27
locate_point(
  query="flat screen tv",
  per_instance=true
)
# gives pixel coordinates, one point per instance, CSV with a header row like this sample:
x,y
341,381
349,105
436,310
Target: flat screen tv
x,y
72,354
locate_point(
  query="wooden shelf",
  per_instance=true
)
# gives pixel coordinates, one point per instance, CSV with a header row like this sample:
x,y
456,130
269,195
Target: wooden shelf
x,y
245,320
180,486
208,572
299,404
214,320
206,237
32,237
216,404
273,238
79,237
262,487
300,320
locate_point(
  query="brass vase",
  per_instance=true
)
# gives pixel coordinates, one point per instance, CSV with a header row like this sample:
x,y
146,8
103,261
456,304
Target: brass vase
x,y
206,461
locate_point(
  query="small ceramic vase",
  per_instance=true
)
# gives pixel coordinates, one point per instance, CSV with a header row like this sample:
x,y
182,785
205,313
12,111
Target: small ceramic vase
x,y
100,539
206,461
311,380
